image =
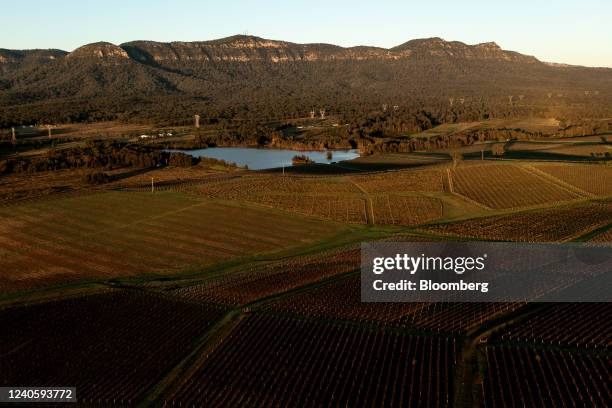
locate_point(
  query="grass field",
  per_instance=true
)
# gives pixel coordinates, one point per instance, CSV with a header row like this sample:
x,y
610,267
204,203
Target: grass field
x,y
114,234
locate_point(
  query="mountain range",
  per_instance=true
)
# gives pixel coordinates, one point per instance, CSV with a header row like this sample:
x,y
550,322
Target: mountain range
x,y
247,74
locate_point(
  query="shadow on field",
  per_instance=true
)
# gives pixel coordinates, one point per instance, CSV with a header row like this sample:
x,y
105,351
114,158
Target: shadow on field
x,y
349,167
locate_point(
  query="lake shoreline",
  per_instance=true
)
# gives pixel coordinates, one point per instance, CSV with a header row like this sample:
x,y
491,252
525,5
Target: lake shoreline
x,y
267,158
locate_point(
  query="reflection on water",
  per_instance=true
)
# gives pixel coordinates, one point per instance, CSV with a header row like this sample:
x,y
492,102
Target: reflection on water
x,y
258,159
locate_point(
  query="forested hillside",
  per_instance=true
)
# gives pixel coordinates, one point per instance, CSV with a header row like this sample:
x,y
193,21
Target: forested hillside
x,y
423,82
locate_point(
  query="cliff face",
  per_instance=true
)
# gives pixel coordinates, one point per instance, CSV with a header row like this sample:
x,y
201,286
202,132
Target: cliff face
x,y
437,47
249,49
254,49
99,50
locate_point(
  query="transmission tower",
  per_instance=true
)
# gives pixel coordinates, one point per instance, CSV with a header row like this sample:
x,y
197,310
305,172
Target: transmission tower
x,y
322,113
196,119
312,114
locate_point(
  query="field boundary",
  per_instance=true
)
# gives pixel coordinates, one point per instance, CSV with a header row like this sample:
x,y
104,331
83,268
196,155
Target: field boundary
x,y
469,200
368,200
207,343
560,183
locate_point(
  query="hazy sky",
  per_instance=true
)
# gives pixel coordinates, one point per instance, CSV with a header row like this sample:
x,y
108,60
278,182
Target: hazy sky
x,y
574,32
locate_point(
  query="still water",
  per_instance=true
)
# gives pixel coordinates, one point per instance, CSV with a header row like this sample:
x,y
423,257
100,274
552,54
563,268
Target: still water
x,y
258,159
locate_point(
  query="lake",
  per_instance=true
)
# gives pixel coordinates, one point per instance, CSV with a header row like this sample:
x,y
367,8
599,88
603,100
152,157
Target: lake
x,y
258,159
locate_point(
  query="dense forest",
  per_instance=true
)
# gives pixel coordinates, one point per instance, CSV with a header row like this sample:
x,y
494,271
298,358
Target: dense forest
x,y
99,155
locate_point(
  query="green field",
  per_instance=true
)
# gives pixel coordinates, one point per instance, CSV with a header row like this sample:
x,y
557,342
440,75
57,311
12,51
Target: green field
x,y
112,234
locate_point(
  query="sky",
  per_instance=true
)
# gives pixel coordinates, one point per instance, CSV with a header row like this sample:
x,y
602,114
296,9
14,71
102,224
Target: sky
x,y
572,32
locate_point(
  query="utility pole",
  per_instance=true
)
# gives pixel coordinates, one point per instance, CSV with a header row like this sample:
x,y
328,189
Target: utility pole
x,y
196,118
152,186
49,131
13,137
482,154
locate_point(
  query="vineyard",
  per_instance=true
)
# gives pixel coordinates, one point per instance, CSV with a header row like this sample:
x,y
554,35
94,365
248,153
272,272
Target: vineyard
x,y
112,346
274,361
594,179
427,180
118,234
520,377
231,288
338,208
577,325
506,186
342,300
406,210
259,282
550,225
605,236
252,186
332,198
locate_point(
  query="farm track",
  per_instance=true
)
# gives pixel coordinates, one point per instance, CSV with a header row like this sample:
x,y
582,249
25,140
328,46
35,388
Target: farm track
x,y
451,188
192,362
568,187
368,200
